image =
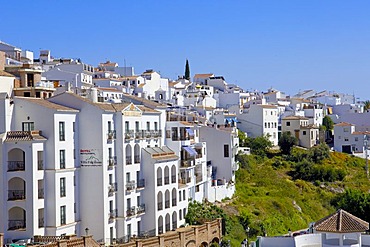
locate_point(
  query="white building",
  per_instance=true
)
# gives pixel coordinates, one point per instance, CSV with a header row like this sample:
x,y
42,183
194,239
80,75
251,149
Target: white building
x,y
299,127
348,140
260,120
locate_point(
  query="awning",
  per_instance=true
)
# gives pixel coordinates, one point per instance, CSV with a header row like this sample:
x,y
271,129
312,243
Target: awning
x,y
190,151
190,132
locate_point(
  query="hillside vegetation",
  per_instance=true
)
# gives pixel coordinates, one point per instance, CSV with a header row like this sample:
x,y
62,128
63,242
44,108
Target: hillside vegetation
x,y
276,192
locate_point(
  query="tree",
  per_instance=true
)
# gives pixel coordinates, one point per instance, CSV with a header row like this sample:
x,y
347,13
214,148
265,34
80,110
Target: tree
x,y
319,152
367,105
242,138
328,123
259,145
355,202
187,70
286,142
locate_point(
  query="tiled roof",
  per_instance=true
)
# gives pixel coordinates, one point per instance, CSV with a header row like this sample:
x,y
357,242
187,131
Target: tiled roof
x,y
202,75
341,222
108,89
46,104
269,106
295,118
361,133
12,136
103,106
4,73
344,124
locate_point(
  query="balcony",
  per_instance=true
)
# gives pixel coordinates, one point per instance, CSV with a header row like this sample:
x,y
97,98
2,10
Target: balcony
x,y
160,229
131,185
41,222
160,205
138,134
166,180
40,165
173,179
156,133
111,162
147,134
168,227
167,204
130,134
159,181
198,178
130,212
174,202
140,209
113,214
128,160
16,224
186,163
41,193
112,188
185,180
137,159
141,184
15,166
111,134
16,195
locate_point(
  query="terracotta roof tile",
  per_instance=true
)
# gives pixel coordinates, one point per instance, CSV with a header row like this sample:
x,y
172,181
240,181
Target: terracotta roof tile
x,y
295,118
12,136
4,73
344,124
202,75
341,222
46,104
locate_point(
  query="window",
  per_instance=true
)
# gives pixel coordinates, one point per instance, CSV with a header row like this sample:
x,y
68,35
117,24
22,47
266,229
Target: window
x,y
346,139
147,125
356,139
137,126
74,126
304,132
287,123
345,130
62,159
62,187
127,126
28,126
226,150
155,126
63,215
61,131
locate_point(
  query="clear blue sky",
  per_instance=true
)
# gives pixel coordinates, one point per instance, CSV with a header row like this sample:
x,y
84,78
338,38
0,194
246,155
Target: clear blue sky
x,y
290,45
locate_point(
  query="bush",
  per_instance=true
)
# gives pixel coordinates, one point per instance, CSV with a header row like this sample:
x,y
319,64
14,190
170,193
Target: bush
x,y
286,142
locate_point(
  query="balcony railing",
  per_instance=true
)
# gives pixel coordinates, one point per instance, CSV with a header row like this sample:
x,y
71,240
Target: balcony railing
x,y
137,159
41,222
198,178
16,195
140,209
160,205
138,134
130,212
41,193
174,225
156,133
159,181
173,179
129,134
174,202
185,180
16,224
111,135
166,180
128,160
113,214
130,185
160,229
112,188
40,165
16,166
168,227
186,163
141,183
167,204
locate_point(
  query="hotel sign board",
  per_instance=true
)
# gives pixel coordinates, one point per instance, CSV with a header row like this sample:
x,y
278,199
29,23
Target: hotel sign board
x,y
91,157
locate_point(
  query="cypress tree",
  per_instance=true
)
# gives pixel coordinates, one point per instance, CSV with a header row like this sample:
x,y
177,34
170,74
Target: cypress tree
x,y
187,70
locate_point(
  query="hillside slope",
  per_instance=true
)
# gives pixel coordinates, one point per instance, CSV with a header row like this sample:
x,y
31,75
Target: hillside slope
x,y
269,201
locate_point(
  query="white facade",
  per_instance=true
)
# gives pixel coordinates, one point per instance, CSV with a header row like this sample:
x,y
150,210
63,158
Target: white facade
x,y
260,120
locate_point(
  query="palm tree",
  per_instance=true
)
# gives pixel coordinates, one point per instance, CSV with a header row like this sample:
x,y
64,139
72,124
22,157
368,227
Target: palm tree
x,y
367,105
